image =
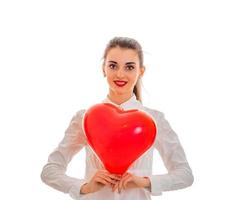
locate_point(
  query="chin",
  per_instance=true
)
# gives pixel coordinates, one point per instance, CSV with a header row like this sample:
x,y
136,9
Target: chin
x,y
120,90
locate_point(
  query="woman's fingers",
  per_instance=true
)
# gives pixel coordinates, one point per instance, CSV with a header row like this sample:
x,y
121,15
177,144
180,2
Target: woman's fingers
x,y
113,176
115,181
116,177
123,183
126,176
115,187
101,180
126,180
107,178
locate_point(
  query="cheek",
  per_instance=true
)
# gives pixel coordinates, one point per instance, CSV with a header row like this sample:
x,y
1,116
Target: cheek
x,y
110,79
133,77
109,75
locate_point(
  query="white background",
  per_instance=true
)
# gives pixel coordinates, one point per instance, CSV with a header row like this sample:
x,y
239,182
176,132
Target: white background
x,y
197,55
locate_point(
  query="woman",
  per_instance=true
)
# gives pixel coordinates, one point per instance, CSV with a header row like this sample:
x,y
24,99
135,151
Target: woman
x,y
123,68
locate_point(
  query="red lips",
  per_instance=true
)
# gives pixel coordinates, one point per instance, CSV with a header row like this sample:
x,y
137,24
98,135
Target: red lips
x,y
120,83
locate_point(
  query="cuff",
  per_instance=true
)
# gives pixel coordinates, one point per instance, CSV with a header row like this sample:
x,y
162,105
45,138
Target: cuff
x,y
75,189
155,189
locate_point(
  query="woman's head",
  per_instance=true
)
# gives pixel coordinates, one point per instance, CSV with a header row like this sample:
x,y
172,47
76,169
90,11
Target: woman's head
x,y
123,61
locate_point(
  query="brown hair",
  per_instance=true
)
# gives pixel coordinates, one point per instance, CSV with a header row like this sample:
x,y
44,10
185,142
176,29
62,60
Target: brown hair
x,y
128,43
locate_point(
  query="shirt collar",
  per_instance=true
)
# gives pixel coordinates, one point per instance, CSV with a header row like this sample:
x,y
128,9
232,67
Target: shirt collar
x,y
131,103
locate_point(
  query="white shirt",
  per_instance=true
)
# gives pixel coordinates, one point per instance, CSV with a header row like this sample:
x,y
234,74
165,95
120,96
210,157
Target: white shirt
x,y
167,143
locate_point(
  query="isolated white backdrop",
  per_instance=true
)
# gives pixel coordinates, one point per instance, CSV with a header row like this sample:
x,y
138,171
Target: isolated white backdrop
x,y
197,55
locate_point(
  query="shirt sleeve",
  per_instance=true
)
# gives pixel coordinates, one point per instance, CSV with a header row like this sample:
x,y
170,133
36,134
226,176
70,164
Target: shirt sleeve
x,y
179,172
54,172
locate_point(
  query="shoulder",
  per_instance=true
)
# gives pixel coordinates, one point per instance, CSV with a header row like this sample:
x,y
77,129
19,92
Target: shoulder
x,y
163,126
78,116
156,114
80,113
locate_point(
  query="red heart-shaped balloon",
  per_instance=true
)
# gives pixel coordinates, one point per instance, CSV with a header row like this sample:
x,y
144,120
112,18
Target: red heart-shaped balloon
x,y
118,137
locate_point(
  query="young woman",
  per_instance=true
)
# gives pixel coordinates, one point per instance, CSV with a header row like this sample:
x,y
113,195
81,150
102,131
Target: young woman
x,y
123,68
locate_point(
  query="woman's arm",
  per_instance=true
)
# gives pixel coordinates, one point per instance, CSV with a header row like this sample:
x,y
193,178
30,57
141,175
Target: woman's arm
x,y
54,172
179,172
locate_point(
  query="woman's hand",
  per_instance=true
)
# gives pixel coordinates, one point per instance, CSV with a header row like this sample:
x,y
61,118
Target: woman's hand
x,y
129,180
101,178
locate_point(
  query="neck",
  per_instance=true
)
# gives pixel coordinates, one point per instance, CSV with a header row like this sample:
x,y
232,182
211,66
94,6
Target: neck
x,y
119,98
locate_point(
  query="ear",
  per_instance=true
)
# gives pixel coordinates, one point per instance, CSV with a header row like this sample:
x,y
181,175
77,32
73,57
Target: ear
x,y
103,69
142,70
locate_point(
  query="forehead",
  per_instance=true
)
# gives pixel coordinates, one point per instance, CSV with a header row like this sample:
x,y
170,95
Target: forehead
x,y
122,55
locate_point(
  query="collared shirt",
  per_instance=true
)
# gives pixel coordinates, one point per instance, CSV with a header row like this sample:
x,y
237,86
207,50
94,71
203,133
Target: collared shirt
x,y
166,142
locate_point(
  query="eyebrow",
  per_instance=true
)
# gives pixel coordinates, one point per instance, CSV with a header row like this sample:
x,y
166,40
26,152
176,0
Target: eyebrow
x,y
126,63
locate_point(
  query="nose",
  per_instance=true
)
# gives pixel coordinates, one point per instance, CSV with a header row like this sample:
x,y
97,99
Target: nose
x,y
120,73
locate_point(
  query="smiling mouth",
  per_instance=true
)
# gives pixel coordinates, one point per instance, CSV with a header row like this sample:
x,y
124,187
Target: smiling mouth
x,y
120,83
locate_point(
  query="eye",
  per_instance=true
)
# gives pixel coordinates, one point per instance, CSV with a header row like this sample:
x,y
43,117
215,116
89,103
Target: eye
x,y
112,66
130,67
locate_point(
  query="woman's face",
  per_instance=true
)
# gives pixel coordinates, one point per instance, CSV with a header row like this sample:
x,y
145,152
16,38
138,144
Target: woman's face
x,y
122,69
